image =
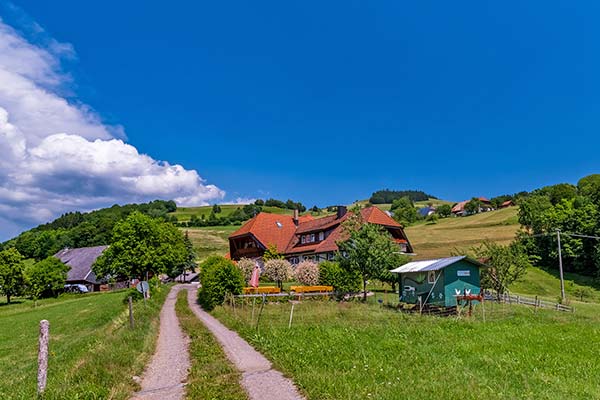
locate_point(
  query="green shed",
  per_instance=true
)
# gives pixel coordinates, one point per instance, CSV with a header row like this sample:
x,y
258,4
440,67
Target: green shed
x,y
439,281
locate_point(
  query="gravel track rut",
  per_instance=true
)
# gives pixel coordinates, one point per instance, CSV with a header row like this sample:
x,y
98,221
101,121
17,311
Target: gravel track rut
x,y
259,379
164,378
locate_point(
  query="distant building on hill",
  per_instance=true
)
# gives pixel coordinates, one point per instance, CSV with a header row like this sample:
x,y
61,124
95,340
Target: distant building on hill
x,y
459,208
301,238
426,211
81,260
507,203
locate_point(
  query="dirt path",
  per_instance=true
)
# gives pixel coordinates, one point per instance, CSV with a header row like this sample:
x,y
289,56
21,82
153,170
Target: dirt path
x,y
165,375
259,379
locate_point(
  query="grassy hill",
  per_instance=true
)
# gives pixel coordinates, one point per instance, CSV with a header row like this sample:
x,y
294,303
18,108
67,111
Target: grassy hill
x,y
184,214
93,352
461,233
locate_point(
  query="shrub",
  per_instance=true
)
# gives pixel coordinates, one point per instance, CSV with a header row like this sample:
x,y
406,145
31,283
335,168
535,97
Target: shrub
x,y
278,271
135,295
307,273
219,276
246,265
331,274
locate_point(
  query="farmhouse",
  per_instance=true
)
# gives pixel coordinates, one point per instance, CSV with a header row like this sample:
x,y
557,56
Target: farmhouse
x,y
439,281
305,238
81,261
484,205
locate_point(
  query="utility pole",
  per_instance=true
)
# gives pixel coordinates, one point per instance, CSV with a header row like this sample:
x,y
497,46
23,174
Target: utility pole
x,y
560,268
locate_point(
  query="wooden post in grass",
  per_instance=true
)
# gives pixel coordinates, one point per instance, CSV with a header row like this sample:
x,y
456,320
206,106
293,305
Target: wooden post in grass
x,y
535,306
131,321
43,356
253,303
291,316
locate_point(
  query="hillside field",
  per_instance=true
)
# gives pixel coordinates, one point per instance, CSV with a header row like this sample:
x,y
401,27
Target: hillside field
x,y
366,351
461,233
93,353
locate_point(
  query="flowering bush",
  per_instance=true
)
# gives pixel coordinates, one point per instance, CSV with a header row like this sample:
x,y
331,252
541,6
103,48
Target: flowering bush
x,y
307,273
278,271
246,265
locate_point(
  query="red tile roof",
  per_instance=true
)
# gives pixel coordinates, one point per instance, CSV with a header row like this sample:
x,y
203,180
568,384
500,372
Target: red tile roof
x,y
271,229
281,230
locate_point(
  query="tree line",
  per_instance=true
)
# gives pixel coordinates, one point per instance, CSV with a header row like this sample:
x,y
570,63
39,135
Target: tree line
x,y
571,209
388,196
240,214
77,229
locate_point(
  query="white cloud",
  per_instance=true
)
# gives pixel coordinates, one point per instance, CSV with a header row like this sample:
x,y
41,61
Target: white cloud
x,y
56,155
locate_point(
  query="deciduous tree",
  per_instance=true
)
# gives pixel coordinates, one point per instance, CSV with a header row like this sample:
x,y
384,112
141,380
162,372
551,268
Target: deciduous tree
x,y
12,279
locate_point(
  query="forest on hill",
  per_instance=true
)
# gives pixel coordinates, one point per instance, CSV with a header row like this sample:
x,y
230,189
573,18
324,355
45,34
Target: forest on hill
x,y
387,196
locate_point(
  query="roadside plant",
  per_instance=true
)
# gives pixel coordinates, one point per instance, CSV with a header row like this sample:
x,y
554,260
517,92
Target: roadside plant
x,y
343,281
307,273
246,265
218,277
279,271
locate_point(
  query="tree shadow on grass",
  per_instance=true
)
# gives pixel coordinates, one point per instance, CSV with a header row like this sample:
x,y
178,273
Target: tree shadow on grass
x,y
12,302
578,279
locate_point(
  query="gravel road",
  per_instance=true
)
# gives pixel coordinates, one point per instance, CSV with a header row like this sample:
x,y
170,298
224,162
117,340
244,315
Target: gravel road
x,y
259,379
165,376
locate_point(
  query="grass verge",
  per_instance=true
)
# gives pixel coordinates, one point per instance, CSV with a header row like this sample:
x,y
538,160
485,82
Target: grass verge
x,y
211,375
361,351
93,353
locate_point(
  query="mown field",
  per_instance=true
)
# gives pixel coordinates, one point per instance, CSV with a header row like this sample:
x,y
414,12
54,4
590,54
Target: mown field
x,y
93,353
461,233
363,351
210,241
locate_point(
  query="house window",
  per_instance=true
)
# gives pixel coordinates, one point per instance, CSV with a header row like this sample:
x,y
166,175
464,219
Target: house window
x,y
294,260
431,277
312,237
302,239
321,236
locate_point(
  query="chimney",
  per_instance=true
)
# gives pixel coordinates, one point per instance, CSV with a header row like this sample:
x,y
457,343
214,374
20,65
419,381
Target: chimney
x,y
341,211
296,217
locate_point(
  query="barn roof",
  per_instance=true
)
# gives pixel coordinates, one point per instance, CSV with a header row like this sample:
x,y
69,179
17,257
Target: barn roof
x,y
80,260
432,265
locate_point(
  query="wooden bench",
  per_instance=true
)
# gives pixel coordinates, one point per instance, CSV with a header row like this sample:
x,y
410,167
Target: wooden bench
x,y
262,290
311,289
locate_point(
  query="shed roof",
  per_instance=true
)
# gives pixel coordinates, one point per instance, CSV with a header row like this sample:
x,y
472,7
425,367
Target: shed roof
x,y
432,265
81,261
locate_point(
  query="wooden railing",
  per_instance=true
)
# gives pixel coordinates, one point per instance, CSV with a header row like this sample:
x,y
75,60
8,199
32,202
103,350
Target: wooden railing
x,y
532,301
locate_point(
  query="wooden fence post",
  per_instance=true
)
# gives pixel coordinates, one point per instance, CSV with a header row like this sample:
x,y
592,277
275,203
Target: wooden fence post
x,y
131,320
291,316
43,356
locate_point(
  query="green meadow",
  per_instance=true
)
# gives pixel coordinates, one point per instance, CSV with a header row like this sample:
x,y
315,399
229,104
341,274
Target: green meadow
x,y
93,352
362,351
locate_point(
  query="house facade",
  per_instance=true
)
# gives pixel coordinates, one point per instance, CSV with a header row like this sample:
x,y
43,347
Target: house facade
x,y
305,238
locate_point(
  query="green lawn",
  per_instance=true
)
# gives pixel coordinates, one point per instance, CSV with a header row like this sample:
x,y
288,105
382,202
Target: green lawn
x,y
545,284
361,351
212,376
93,353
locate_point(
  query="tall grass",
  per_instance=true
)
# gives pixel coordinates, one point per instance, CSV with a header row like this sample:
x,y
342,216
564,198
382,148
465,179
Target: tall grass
x,y
362,351
93,353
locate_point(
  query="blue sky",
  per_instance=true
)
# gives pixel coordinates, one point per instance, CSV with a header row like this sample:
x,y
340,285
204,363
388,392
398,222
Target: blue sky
x,y
325,102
